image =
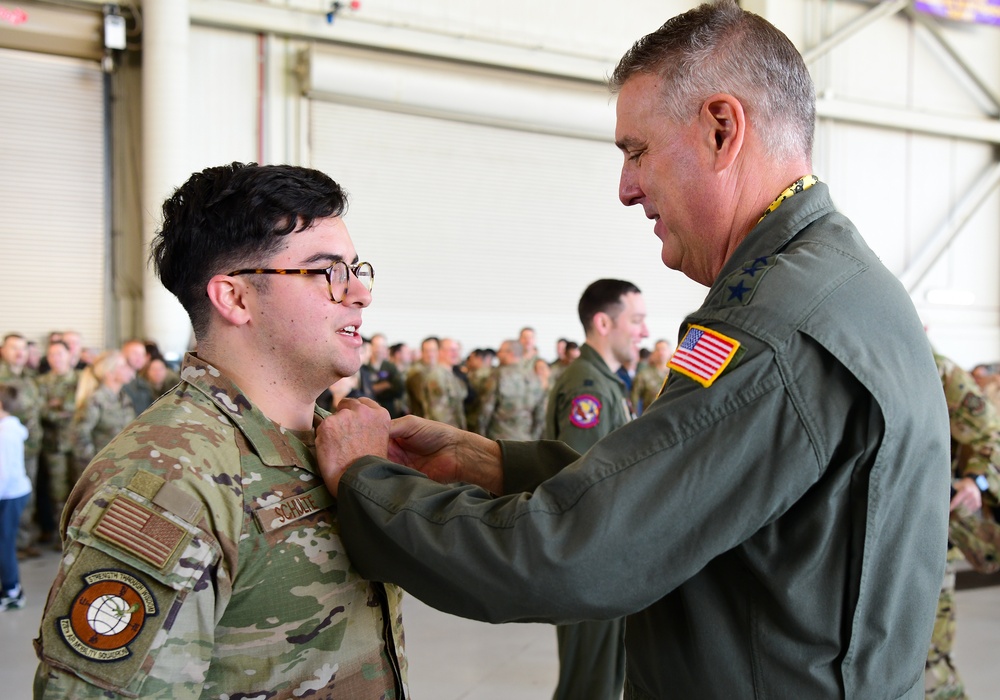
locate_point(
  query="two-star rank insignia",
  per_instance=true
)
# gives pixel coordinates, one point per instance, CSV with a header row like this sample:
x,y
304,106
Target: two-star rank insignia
x,y
740,285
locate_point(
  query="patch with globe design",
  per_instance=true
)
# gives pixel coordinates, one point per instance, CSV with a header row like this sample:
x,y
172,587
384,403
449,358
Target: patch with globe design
x,y
107,615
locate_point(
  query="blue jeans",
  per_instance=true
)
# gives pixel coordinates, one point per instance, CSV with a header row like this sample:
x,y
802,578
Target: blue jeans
x,y
10,521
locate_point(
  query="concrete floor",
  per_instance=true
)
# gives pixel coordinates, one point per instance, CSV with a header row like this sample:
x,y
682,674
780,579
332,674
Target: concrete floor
x,y
456,659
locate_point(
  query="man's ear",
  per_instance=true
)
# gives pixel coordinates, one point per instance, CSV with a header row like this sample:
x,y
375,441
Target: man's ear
x,y
602,323
229,296
724,123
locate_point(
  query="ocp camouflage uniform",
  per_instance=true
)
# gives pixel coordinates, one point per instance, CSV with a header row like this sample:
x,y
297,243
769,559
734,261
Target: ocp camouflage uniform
x,y
477,383
96,422
58,394
441,396
203,560
512,404
975,450
646,387
29,414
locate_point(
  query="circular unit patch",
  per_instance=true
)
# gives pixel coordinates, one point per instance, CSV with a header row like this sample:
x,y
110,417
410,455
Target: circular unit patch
x,y
585,411
107,615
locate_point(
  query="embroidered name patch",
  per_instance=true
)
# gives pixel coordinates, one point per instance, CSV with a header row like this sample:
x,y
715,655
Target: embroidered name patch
x,y
703,354
107,615
291,509
585,411
139,531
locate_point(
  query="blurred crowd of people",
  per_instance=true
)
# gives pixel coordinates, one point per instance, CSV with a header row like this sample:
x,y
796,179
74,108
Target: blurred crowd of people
x,y
500,393
72,400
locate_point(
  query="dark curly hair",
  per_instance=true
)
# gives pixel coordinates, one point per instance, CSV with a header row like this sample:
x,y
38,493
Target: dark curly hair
x,y
233,216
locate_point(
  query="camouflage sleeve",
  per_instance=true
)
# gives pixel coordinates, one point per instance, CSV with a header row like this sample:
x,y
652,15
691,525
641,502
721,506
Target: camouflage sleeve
x,y
975,426
145,573
414,394
487,402
538,413
82,430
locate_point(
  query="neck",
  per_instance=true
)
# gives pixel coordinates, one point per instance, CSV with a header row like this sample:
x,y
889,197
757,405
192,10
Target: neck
x,y
269,386
604,350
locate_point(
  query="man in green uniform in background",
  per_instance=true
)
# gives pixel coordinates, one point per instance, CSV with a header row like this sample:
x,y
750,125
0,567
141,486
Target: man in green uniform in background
x,y
203,553
587,403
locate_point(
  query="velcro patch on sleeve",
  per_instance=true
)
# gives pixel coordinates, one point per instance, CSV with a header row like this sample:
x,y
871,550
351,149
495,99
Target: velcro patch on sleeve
x,y
103,620
294,508
585,411
703,354
141,532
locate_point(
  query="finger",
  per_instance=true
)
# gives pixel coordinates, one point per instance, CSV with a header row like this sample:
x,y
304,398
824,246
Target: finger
x,y
402,427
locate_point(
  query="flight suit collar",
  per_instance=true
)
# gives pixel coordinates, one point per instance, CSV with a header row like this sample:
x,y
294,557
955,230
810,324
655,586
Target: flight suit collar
x,y
590,355
773,233
272,444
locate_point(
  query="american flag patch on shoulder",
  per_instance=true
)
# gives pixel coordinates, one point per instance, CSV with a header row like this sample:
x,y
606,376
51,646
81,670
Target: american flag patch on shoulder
x,y
703,354
139,531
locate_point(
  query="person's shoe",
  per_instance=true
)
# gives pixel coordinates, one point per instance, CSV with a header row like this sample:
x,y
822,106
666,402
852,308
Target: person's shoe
x,y
12,600
29,552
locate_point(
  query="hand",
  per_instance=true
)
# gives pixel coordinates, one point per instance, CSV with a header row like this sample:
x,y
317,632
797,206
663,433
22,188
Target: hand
x,y
446,454
967,496
359,427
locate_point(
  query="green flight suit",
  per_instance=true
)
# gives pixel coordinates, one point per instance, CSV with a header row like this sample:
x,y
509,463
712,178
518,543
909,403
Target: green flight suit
x,y
587,403
779,533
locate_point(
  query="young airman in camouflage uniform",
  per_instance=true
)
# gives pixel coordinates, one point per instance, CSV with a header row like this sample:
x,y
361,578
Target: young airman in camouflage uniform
x,y
13,371
512,405
57,389
203,556
97,421
650,376
975,449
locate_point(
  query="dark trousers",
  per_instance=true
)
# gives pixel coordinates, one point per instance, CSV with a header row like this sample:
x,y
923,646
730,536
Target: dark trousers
x,y
10,523
591,660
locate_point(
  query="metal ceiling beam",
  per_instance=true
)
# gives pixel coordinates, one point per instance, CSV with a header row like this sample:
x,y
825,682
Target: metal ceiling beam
x,y
878,12
957,218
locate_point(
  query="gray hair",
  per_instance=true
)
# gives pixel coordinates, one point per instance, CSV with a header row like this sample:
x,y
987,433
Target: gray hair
x,y
718,47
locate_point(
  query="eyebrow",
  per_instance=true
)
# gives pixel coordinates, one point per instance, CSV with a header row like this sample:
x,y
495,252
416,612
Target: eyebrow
x,y
628,142
328,258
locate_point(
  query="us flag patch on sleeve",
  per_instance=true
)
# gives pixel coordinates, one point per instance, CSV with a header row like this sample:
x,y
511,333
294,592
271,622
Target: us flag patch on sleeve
x,y
703,354
139,531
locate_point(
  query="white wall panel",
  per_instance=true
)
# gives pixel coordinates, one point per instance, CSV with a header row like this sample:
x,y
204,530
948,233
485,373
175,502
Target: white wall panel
x,y
53,254
223,106
902,187
475,231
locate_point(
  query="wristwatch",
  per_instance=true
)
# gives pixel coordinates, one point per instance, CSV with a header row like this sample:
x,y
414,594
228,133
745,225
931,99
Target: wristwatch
x,y
982,482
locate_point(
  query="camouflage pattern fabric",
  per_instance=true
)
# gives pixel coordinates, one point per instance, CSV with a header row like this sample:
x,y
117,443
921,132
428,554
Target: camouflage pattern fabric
x,y
58,394
439,394
646,387
975,451
941,679
29,414
203,560
97,421
31,406
512,405
477,382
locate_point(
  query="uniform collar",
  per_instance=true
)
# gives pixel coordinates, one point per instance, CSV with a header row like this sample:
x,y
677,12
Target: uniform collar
x,y
775,231
591,355
273,445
